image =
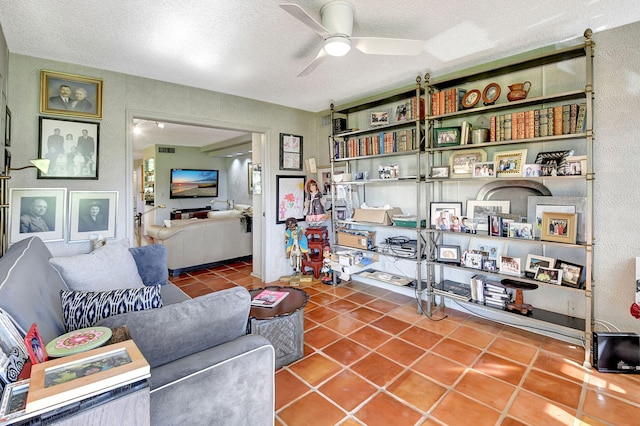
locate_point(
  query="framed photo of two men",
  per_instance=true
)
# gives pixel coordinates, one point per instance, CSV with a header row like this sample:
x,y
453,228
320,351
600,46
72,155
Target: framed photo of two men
x,y
70,95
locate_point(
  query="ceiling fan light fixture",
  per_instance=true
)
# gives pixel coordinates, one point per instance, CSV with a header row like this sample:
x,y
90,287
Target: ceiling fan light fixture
x,y
337,45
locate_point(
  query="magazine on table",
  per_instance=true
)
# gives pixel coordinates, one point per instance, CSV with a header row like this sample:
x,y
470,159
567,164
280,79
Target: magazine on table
x,y
268,298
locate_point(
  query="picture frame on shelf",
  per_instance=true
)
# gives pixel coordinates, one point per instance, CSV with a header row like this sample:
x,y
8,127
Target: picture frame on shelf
x,y
520,230
14,400
536,205
559,227
462,162
553,160
484,169
388,171
575,165
291,149
490,94
510,163
490,265
65,379
448,254
548,275
534,261
532,170
446,136
324,178
493,247
378,118
480,210
471,98
92,214
84,95
509,265
341,213
473,260
441,212
289,198
35,346
72,146
440,172
571,273
37,212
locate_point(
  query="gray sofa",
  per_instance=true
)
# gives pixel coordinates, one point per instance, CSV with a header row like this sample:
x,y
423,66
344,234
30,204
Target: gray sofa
x,y
205,369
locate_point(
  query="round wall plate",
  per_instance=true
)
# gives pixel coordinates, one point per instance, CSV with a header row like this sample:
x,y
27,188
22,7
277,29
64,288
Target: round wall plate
x,y
491,93
471,98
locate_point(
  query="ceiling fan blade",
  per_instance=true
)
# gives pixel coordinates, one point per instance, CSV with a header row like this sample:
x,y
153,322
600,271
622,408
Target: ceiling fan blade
x,y
305,18
388,46
322,55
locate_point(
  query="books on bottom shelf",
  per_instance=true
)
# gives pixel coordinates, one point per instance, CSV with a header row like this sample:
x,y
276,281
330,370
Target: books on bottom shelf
x,y
76,377
268,298
454,289
496,295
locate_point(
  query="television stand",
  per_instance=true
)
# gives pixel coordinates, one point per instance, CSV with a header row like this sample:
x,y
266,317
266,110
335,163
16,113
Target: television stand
x,y
198,212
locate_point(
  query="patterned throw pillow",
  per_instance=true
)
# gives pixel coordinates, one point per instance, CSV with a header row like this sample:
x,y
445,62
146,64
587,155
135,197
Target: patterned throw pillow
x,y
82,309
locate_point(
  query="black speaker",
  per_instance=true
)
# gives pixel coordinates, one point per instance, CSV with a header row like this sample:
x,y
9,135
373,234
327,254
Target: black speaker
x,y
616,352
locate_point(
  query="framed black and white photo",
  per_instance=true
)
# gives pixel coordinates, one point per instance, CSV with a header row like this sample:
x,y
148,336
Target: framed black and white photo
x,y
37,212
480,210
290,152
71,146
554,162
70,95
92,215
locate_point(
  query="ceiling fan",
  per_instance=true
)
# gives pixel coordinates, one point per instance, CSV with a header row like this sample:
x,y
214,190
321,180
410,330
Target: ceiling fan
x,y
335,29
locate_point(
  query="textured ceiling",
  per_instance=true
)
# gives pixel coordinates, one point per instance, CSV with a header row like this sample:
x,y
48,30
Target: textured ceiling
x,y
252,48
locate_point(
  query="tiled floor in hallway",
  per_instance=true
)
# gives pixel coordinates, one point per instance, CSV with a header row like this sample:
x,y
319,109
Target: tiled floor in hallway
x,y
370,359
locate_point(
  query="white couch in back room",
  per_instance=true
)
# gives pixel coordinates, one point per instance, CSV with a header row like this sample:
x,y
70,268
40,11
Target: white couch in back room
x,y
197,243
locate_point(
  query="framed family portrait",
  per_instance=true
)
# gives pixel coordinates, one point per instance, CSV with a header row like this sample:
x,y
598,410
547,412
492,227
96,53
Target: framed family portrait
x,y
480,210
571,273
289,198
442,214
559,227
446,136
70,95
71,147
290,152
462,162
484,169
92,213
37,212
534,261
510,163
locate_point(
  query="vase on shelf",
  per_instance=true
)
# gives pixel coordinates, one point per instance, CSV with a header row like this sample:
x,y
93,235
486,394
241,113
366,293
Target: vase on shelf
x,y
518,91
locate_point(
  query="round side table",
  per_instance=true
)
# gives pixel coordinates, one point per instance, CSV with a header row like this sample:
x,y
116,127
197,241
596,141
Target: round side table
x,y
282,325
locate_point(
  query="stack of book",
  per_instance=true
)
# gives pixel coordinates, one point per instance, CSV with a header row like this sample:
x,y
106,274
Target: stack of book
x,y
477,288
496,295
453,289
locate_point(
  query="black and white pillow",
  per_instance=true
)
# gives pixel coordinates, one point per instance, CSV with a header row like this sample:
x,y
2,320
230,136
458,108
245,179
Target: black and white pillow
x,y
82,309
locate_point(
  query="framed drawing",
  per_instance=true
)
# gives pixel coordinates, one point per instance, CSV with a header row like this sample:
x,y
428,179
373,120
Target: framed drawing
x,y
289,198
65,379
92,214
290,152
559,227
510,163
324,178
71,147
480,210
7,127
70,95
571,273
37,212
13,354
441,214
256,179
462,162
446,136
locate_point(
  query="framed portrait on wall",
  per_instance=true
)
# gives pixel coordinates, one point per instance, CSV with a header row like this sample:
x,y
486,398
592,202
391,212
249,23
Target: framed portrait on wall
x,y
70,95
71,147
92,214
289,197
290,152
37,212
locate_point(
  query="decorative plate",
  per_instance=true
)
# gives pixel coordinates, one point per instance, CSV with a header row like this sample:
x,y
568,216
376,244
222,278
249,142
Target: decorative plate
x,y
471,98
78,341
491,93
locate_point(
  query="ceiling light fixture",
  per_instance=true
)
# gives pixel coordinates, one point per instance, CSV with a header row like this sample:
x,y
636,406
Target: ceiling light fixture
x,y
337,45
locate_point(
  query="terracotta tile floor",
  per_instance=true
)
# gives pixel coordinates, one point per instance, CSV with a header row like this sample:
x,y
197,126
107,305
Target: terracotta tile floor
x,y
370,359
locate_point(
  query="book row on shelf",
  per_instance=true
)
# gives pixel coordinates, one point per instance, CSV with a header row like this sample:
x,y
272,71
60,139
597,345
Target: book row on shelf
x,y
447,101
552,121
381,143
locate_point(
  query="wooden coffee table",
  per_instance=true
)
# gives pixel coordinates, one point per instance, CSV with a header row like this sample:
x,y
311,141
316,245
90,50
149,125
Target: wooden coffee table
x,y
282,325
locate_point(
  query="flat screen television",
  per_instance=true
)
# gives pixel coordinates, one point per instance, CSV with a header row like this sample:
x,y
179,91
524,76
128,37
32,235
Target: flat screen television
x,y
616,352
193,183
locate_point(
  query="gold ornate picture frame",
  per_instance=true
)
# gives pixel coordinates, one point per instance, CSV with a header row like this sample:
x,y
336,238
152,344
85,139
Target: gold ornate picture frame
x,y
70,95
510,163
